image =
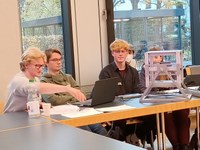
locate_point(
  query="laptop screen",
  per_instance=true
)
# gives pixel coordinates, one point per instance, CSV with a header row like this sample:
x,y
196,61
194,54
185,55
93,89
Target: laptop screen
x,y
104,91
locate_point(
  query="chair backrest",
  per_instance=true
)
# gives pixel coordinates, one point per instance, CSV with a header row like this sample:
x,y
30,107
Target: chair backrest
x,y
192,75
1,106
192,80
192,70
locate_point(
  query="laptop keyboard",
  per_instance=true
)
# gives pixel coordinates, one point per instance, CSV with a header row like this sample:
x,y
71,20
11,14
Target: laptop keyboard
x,y
85,103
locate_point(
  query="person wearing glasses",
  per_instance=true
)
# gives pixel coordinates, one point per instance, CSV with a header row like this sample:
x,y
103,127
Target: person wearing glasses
x,y
128,83
31,66
54,75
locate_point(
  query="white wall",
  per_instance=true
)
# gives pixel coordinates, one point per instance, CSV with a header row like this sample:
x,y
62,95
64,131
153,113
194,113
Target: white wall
x,y
90,40
10,43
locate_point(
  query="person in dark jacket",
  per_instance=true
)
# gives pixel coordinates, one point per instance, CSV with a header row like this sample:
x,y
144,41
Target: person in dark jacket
x,y
128,83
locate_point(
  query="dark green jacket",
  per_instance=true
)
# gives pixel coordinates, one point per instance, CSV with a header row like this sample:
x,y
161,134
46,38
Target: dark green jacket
x,y
59,98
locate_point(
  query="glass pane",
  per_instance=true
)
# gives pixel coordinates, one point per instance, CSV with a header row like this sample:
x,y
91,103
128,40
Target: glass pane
x,y
146,23
41,24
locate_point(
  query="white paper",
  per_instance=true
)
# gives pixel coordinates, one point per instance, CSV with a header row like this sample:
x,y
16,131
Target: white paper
x,y
72,111
61,109
82,112
114,108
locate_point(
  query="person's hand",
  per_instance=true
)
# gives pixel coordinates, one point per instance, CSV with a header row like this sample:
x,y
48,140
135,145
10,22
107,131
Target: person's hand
x,y
77,94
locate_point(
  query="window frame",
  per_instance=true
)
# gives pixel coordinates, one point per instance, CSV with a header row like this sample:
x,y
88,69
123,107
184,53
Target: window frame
x,y
67,37
195,27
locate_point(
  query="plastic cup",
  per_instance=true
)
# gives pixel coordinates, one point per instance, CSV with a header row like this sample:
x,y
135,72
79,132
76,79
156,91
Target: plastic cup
x,y
46,109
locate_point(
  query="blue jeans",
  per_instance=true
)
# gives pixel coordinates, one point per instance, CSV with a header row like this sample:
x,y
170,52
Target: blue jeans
x,y
95,128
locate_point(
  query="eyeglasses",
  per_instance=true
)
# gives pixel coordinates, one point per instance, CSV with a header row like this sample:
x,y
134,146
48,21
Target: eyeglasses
x,y
120,51
38,66
56,60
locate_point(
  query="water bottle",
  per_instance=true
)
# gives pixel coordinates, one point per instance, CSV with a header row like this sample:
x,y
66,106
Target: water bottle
x,y
33,104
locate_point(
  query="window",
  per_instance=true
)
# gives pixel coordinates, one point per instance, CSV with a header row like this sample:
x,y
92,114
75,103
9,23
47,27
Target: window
x,y
41,23
45,25
148,23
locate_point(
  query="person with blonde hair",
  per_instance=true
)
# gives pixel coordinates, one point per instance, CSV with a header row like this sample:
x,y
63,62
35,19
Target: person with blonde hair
x,y
128,76
31,65
128,83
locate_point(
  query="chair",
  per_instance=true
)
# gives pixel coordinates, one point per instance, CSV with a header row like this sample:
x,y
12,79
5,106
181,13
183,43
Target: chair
x,y
192,70
193,79
137,121
132,121
1,106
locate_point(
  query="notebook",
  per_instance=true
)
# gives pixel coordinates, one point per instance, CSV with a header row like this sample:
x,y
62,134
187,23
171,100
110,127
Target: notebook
x,y
103,92
195,91
129,96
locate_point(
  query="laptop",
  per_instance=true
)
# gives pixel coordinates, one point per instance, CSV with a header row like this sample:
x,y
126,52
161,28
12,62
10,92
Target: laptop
x,y
103,92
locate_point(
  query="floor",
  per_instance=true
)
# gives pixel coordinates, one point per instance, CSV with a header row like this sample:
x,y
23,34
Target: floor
x,y
168,144
134,140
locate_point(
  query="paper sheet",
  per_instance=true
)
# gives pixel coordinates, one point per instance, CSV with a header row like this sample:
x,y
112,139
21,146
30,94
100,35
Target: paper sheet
x,y
82,112
72,111
114,108
61,109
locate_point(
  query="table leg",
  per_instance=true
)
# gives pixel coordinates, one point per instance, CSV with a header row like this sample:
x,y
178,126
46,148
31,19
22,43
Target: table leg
x,y
197,124
158,131
163,131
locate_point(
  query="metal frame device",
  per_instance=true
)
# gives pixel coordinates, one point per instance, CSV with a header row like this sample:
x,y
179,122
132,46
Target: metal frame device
x,y
173,69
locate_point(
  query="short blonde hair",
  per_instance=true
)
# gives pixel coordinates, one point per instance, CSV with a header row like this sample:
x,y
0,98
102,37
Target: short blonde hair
x,y
119,44
30,54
